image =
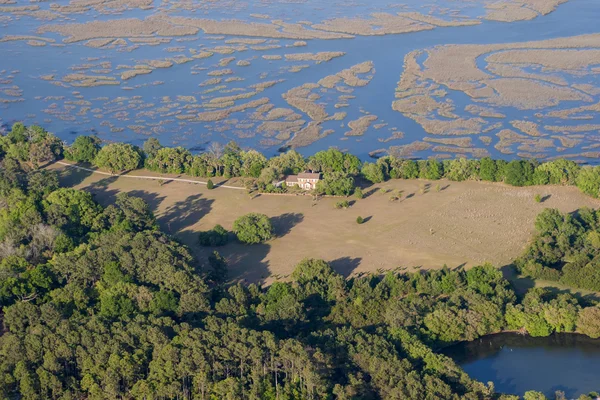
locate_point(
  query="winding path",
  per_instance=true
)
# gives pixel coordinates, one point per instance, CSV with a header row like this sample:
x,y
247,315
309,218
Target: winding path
x,y
156,178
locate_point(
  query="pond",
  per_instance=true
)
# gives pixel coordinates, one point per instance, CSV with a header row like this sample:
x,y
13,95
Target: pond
x,y
518,363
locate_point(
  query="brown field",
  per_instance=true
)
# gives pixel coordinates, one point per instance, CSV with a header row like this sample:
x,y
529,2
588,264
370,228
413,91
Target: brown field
x,y
462,224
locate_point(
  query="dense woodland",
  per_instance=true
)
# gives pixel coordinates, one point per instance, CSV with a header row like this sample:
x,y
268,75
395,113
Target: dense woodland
x,y
99,303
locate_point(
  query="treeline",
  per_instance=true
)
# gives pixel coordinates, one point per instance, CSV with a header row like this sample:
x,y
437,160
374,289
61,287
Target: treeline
x,y
514,173
565,249
98,303
339,170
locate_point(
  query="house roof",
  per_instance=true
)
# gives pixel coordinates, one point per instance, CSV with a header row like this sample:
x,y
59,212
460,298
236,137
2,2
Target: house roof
x,y
291,178
309,175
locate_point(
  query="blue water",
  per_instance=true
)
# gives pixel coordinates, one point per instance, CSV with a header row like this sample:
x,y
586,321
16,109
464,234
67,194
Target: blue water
x,y
42,100
516,363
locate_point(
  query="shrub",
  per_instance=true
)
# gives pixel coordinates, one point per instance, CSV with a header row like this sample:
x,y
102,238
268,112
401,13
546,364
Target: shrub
x,y
253,228
342,204
358,193
538,198
217,236
360,220
210,185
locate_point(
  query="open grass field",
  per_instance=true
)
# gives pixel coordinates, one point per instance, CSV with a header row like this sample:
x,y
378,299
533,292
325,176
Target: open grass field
x,y
457,223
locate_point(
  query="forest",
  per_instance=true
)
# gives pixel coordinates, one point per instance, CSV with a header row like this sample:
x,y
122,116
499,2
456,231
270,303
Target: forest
x,y
98,303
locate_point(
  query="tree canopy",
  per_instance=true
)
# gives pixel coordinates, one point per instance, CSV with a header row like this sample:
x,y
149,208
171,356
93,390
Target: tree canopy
x,y
253,228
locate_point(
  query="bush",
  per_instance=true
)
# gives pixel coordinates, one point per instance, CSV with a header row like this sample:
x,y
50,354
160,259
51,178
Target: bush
x,y
342,204
538,198
217,236
358,193
210,185
253,228
360,220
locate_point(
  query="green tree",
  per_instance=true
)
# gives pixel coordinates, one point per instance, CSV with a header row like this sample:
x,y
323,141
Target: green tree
x,y
218,268
519,173
336,184
333,160
118,157
217,236
136,212
488,170
358,193
170,160
151,147
164,302
83,149
588,322
373,172
430,169
253,163
588,181
253,228
210,185
533,395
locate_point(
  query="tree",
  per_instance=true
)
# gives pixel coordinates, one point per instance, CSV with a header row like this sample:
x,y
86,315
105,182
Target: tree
x,y
488,170
288,163
210,185
519,173
42,182
151,147
373,172
336,184
588,181
218,268
333,160
533,395
170,160
71,209
358,193
431,169
588,322
461,169
83,149
118,157
217,236
136,212
253,163
360,220
253,228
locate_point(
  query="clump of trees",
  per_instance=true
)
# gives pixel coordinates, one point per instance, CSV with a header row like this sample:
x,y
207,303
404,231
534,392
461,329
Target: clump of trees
x,y
565,249
253,228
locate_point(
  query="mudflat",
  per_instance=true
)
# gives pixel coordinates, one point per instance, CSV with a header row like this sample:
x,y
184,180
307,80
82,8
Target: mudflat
x,y
457,223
